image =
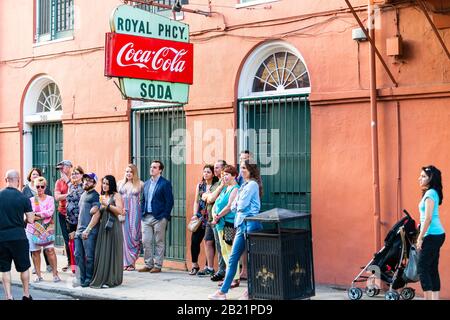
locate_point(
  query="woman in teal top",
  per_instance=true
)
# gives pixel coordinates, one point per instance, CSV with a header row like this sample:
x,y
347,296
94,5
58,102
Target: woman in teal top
x,y
246,204
432,234
222,214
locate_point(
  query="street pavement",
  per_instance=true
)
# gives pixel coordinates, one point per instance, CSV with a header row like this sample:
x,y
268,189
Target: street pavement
x,y
36,294
167,285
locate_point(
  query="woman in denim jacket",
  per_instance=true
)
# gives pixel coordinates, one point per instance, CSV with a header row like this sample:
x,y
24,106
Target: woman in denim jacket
x,y
246,204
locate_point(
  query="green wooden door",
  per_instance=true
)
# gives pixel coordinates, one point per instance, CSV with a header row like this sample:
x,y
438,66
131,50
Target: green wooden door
x,y
282,147
47,152
153,130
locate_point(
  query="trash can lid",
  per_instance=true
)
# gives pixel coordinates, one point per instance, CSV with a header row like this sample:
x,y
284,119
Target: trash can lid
x,y
278,215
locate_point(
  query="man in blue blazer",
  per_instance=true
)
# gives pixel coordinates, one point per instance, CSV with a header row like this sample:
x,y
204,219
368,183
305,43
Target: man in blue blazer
x,y
156,205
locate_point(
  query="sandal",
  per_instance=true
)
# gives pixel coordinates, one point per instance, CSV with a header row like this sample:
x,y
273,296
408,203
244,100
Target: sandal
x,y
235,284
194,271
217,277
64,269
131,268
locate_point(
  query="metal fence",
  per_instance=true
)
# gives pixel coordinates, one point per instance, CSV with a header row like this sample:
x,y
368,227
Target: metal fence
x,y
277,131
154,132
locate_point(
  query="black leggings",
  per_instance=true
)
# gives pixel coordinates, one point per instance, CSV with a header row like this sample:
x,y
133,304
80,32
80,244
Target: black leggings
x,y
429,261
196,241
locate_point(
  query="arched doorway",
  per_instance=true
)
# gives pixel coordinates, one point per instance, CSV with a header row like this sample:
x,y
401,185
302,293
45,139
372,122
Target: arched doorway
x,y
274,118
43,132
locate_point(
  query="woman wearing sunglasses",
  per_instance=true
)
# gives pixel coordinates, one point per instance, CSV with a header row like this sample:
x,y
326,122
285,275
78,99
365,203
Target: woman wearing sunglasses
x,y
43,208
29,190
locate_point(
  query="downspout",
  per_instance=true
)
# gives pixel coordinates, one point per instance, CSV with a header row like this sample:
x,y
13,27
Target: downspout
x,y
374,128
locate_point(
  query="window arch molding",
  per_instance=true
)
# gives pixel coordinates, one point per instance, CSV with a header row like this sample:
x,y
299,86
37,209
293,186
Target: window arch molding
x,y
254,62
42,91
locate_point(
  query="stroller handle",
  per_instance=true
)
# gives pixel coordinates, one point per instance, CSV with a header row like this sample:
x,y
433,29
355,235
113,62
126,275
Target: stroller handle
x,y
407,213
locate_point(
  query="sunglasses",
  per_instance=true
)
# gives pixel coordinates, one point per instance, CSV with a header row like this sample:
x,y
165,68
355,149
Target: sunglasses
x,y
40,187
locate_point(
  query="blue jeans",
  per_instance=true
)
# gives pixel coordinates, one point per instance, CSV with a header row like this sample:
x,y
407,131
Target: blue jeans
x,y
236,252
84,256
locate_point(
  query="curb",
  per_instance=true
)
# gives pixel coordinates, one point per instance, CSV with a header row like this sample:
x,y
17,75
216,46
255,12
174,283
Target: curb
x,y
66,291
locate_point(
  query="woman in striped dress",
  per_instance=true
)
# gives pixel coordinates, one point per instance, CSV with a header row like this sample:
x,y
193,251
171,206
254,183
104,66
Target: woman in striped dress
x,y
130,190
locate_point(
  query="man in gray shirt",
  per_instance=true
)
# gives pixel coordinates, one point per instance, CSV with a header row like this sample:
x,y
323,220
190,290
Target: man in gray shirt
x,y
87,230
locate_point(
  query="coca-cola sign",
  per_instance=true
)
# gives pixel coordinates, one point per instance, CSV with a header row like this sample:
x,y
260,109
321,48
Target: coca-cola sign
x,y
147,58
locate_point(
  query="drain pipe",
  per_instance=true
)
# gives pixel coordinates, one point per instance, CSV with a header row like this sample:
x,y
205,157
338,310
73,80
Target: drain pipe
x,y
374,127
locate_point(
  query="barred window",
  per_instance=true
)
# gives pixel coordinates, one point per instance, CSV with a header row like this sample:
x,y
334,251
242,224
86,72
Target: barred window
x,y
54,19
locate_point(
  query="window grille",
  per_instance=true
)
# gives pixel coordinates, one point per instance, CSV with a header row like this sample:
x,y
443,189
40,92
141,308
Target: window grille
x,y
54,19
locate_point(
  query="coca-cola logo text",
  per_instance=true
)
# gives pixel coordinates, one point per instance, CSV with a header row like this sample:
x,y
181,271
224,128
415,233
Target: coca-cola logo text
x,y
147,58
165,58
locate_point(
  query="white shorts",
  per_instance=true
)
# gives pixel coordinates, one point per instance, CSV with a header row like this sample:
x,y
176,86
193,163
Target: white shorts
x,y
35,247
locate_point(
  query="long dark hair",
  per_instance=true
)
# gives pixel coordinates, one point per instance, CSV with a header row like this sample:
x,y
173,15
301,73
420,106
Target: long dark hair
x,y
254,175
214,179
39,171
435,181
112,184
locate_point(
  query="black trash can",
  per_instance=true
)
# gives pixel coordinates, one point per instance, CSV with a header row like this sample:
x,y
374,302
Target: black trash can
x,y
280,258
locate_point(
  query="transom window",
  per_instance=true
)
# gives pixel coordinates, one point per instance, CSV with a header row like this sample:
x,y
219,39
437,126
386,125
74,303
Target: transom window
x,y
54,19
49,100
279,72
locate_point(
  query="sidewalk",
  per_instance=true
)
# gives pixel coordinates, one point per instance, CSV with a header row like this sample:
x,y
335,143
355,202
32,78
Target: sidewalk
x,y
167,285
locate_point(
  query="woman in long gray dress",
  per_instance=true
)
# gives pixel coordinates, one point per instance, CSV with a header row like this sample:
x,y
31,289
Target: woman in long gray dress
x,y
108,265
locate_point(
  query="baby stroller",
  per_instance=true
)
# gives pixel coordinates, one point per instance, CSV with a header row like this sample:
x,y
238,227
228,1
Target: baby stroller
x,y
388,264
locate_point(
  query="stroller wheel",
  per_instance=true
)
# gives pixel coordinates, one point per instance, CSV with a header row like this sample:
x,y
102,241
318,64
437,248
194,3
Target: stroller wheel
x,y
392,295
354,293
408,293
372,292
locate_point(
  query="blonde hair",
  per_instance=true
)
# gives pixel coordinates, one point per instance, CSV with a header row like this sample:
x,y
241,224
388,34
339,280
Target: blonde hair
x,y
136,181
40,180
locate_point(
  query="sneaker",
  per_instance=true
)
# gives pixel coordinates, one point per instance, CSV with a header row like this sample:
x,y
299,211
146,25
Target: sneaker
x,y
27,298
205,272
217,296
85,284
38,279
33,271
56,279
49,269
